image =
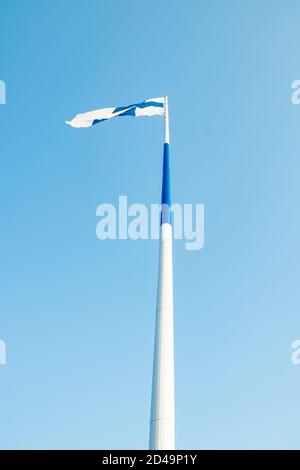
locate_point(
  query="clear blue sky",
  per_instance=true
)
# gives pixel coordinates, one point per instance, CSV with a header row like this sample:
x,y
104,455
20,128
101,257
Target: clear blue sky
x,y
77,313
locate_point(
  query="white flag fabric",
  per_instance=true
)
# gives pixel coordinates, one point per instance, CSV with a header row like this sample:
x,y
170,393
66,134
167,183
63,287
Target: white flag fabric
x,y
151,107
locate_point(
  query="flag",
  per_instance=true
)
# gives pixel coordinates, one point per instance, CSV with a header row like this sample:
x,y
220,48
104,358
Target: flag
x,y
151,107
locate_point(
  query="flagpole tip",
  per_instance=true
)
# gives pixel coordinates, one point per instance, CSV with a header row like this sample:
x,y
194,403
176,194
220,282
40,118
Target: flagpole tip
x,y
167,132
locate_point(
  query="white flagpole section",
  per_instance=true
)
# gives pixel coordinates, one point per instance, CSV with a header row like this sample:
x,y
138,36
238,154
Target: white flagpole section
x,y
162,421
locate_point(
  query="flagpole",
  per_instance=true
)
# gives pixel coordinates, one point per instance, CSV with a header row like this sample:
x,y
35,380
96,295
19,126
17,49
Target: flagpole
x,y
162,421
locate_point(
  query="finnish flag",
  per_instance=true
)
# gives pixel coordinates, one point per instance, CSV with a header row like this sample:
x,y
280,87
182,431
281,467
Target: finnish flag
x,y
151,107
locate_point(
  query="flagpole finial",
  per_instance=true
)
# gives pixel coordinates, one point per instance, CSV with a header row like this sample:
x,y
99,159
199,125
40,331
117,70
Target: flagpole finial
x,y
167,129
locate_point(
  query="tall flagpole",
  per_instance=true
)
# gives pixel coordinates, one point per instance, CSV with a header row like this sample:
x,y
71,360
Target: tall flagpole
x,y
162,421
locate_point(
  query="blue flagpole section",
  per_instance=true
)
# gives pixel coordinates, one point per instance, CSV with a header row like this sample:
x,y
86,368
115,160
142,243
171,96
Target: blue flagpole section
x,y
166,187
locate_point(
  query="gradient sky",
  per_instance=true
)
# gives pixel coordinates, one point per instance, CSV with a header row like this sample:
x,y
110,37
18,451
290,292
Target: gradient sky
x,y
77,313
